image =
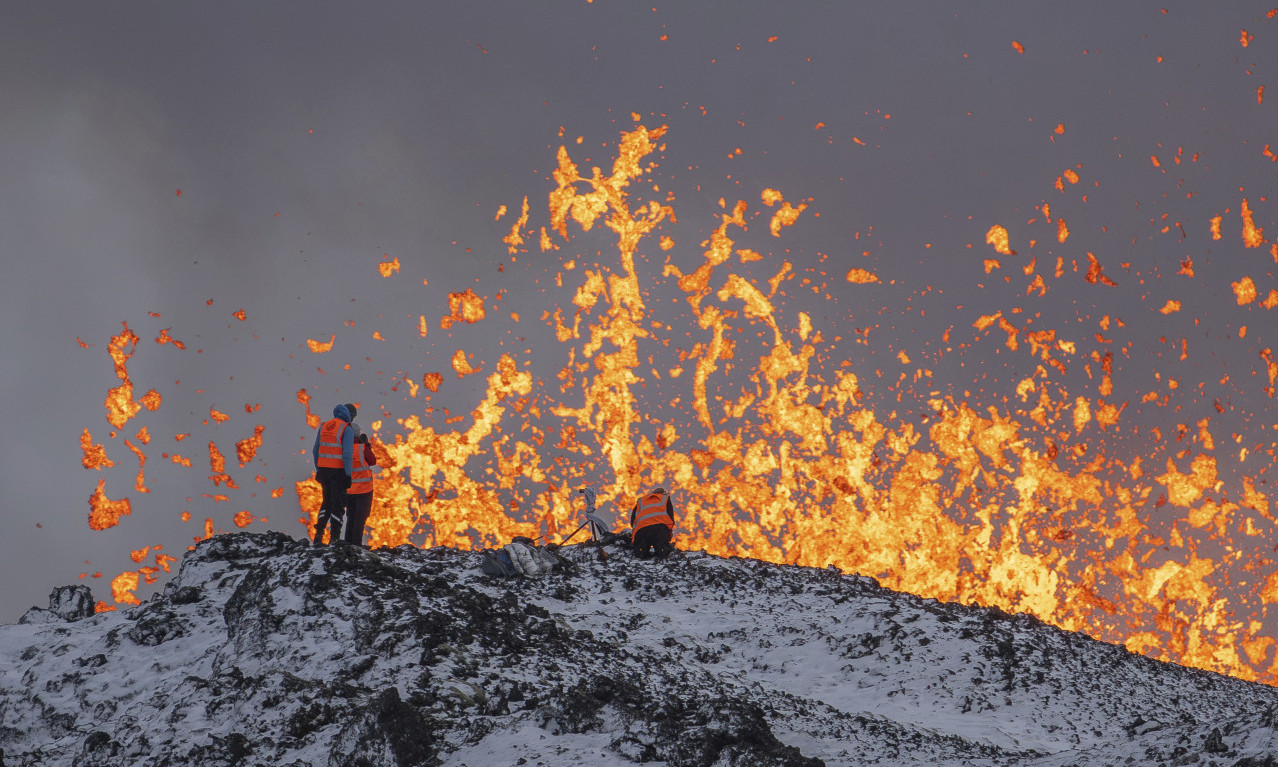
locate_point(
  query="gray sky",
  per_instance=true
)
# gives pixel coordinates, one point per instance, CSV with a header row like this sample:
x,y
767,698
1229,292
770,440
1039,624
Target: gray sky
x,y
307,140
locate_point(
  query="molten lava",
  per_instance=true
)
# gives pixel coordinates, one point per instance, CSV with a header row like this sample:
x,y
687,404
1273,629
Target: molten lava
x,y
1056,493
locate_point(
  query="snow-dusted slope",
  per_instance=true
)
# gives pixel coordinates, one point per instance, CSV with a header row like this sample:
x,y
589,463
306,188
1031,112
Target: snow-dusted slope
x,y
264,650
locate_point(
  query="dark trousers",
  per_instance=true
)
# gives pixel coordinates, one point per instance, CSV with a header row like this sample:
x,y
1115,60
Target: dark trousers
x,y
333,483
357,507
652,540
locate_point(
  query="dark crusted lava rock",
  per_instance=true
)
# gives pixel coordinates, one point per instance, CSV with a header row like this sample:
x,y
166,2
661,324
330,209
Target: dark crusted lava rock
x,y
70,603
265,650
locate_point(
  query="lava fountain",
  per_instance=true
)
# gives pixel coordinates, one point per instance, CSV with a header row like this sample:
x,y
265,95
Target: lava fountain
x,y
1068,489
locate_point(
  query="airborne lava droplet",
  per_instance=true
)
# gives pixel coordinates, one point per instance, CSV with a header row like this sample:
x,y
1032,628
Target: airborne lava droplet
x,y
104,512
319,347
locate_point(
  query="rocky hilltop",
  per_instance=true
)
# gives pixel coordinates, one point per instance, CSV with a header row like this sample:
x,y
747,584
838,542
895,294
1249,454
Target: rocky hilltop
x,y
264,650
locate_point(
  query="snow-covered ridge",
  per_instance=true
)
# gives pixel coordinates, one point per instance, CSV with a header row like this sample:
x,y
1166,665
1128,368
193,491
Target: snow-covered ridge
x,y
267,651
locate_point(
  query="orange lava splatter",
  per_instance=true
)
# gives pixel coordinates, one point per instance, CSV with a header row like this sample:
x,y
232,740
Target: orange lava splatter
x,y
460,365
247,448
1094,272
1244,291
786,216
312,419
319,347
463,307
1253,237
104,512
151,400
123,588
217,464
95,456
119,402
139,483
998,237
165,338
514,240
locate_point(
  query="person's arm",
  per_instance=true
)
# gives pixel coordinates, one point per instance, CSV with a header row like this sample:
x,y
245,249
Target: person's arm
x,y
348,449
633,512
670,509
315,447
370,457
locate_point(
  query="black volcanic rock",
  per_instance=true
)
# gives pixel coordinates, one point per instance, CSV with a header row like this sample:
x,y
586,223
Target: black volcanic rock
x,y
268,651
70,603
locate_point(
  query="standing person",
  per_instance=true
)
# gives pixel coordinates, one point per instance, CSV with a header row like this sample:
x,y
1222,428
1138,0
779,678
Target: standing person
x,y
359,498
333,466
653,521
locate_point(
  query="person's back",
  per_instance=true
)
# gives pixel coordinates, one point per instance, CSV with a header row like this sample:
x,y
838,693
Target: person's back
x,y
333,457
652,520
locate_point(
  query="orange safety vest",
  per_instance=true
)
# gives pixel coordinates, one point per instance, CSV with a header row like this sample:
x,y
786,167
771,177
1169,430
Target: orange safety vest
x,y
330,446
651,511
362,479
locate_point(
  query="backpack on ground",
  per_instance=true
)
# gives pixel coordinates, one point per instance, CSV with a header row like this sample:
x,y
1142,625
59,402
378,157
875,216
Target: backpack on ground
x,y
497,563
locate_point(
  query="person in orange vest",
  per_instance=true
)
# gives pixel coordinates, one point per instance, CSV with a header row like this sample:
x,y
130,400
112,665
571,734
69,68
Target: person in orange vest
x,y
333,454
652,519
359,497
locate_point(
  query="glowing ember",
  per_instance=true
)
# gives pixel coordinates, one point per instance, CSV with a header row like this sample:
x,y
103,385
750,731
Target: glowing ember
x,y
217,463
387,268
319,347
464,307
119,402
165,338
247,448
104,512
1253,237
1094,272
123,587
998,237
140,483
461,365
1244,291
312,419
95,456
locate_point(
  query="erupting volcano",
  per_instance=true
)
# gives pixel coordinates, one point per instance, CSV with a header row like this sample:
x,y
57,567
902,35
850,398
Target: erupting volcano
x,y
1029,456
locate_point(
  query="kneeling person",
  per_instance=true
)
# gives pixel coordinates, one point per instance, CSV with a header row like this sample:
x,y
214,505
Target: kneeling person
x,y
653,521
